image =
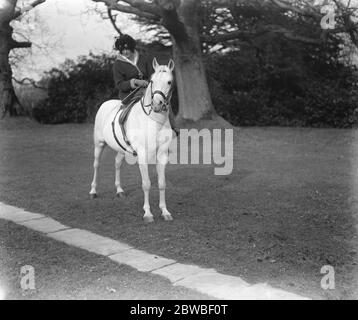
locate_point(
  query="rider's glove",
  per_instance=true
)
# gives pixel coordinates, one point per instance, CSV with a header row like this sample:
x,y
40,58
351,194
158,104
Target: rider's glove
x,y
135,83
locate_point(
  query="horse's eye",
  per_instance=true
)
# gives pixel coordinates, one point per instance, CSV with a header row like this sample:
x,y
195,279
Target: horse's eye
x,y
169,82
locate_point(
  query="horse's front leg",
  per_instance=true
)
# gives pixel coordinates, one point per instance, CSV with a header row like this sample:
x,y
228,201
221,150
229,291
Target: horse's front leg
x,y
119,161
98,150
162,160
143,167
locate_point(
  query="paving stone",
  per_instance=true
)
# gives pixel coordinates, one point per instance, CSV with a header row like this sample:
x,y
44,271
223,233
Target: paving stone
x,y
89,241
44,225
234,288
265,292
206,281
214,284
179,271
141,260
17,214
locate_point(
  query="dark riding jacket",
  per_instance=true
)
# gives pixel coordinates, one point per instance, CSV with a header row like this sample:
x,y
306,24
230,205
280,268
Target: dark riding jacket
x,y
123,72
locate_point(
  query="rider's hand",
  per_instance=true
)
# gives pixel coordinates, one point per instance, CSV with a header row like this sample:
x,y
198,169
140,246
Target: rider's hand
x,y
140,83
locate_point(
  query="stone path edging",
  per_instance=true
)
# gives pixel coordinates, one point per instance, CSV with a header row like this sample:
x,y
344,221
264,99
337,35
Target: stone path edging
x,y
207,281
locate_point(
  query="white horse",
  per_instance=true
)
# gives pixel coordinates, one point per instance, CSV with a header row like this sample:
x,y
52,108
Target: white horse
x,y
148,134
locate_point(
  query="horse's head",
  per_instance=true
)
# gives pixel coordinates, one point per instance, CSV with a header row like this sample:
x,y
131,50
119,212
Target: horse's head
x,y
161,85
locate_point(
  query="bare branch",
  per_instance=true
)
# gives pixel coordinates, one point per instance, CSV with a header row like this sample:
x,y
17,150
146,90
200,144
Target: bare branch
x,y
237,34
113,21
288,34
113,5
26,81
227,3
249,35
308,10
166,5
144,6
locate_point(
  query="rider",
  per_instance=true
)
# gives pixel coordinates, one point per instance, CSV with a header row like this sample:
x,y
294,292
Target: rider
x,y
132,70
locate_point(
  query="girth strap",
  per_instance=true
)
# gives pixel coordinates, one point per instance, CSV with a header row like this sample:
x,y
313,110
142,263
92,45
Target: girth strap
x,y
121,121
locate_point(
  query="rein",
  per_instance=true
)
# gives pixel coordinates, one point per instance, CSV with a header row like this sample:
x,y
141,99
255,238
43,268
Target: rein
x,y
165,106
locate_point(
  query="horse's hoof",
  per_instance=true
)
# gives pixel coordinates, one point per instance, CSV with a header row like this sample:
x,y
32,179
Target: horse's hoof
x,y
148,219
167,217
93,195
121,195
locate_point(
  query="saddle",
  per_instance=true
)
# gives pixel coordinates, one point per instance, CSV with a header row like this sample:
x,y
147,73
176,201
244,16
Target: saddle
x,y
126,109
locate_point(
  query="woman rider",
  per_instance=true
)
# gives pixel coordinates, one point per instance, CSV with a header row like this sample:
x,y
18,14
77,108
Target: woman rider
x,y
132,70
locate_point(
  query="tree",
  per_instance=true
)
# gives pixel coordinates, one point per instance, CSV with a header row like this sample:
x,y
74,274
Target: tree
x,y
181,18
9,11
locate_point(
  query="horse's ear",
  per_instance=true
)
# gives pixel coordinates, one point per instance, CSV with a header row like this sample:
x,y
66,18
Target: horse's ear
x,y
171,65
155,64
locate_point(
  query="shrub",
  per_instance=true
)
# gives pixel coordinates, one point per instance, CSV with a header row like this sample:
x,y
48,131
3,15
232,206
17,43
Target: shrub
x,y
292,86
282,93
76,90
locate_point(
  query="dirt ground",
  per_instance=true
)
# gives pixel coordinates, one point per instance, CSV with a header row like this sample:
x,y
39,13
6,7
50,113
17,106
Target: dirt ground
x,y
288,208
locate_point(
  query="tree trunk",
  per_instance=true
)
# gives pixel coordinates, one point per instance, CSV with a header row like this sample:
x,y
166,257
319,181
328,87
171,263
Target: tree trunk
x,y
193,90
8,99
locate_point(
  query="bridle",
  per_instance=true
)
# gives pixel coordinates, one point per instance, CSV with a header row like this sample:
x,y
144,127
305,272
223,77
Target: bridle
x,y
165,105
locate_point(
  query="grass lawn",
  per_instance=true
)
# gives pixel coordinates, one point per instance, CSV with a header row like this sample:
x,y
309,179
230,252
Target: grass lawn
x,y
285,211
63,272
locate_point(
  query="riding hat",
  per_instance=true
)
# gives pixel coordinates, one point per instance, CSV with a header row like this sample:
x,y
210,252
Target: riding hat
x,y
125,41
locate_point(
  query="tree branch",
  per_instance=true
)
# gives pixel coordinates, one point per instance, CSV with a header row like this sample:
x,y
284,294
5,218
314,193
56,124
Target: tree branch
x,y
30,81
113,21
113,5
144,6
171,20
288,34
20,12
237,34
227,3
308,10
248,35
166,5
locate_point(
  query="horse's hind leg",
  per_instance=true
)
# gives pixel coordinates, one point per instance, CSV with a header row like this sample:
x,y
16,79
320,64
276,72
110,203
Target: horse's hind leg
x,y
119,161
98,150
